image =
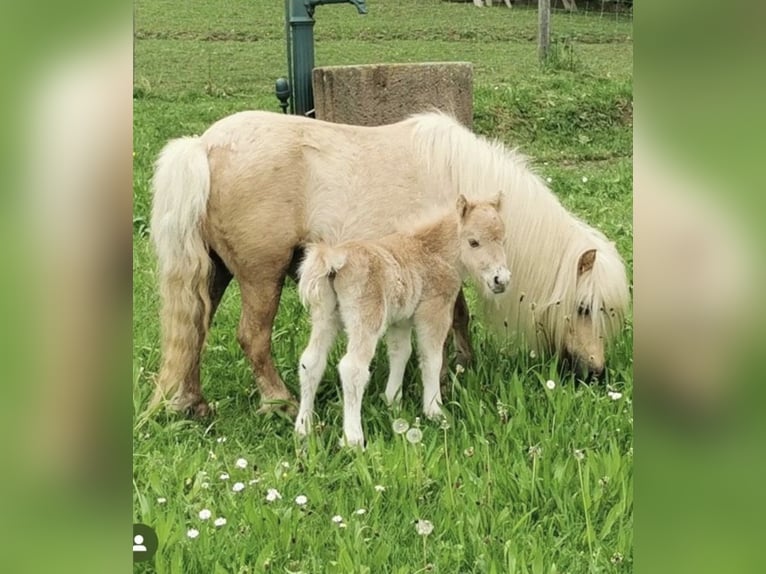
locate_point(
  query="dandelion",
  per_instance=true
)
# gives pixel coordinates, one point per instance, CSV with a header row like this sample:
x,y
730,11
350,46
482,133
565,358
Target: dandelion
x,y
400,426
535,451
360,511
424,527
301,500
444,424
238,487
614,395
220,439
205,514
337,519
380,488
273,494
162,500
241,463
414,435
584,179
220,521
224,476
579,454
550,384
192,533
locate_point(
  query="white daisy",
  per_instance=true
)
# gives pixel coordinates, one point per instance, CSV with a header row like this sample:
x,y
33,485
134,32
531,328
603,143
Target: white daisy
x,y
584,179
380,488
614,395
337,519
241,463
205,514
192,533
254,481
220,439
224,476
162,500
220,521
579,454
273,494
301,500
360,511
238,486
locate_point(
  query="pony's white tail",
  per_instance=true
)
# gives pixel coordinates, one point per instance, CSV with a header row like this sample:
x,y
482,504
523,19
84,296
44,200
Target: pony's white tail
x,y
181,187
316,271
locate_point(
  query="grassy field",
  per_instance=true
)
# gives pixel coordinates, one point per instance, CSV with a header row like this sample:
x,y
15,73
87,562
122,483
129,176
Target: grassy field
x,y
525,479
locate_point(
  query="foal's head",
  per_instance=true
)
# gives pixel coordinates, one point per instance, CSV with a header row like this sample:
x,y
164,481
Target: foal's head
x,y
482,233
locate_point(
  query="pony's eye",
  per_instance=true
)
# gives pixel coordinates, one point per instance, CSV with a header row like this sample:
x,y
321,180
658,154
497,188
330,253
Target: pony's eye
x,y
473,243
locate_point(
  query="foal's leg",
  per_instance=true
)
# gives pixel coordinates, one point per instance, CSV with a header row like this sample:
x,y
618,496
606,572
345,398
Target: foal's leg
x,y
260,301
432,324
354,369
399,343
460,323
324,328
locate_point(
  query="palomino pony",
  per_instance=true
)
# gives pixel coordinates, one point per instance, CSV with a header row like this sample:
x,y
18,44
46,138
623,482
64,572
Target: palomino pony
x,y
389,285
244,197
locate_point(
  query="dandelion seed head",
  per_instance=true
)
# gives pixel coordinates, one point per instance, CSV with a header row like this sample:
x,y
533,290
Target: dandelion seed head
x,y
550,384
400,426
414,435
579,454
424,527
535,451
584,179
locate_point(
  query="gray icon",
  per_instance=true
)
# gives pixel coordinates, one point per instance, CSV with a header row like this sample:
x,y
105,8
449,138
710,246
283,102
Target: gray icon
x,y
144,542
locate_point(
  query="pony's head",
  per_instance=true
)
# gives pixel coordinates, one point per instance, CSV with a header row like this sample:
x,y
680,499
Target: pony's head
x,y
482,236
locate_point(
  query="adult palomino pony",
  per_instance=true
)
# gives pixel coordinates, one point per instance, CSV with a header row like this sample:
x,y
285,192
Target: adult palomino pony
x,y
242,199
389,285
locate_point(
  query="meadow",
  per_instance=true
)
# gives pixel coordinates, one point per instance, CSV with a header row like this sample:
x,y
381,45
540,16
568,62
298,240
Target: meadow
x,y
534,471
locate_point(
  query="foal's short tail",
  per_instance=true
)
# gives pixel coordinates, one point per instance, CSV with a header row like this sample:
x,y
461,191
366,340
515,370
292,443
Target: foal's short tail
x,y
181,188
321,263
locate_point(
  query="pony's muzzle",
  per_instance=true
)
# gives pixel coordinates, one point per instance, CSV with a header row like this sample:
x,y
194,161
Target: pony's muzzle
x,y
501,280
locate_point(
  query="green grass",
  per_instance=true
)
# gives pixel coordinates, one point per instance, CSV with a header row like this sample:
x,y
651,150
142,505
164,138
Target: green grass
x,y
495,508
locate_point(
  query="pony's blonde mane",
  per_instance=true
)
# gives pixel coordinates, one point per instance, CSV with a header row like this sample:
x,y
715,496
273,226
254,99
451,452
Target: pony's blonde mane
x,y
543,240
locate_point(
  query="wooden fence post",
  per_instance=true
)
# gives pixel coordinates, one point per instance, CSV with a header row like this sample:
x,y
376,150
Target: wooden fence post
x,y
544,29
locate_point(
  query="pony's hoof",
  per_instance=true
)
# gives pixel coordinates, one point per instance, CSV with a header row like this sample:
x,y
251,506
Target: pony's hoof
x,y
353,443
286,405
200,410
436,415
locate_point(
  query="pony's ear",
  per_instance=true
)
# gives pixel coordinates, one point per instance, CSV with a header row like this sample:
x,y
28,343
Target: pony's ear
x,y
586,262
497,200
462,206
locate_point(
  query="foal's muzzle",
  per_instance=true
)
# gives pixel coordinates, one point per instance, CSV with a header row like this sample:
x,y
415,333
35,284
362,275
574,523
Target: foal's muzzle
x,y
500,280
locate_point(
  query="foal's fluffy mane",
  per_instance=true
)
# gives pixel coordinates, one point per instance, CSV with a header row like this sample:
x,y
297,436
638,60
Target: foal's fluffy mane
x,y
544,241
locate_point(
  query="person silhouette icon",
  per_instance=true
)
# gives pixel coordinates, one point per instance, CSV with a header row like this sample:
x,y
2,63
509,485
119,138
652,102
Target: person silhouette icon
x,y
145,542
138,543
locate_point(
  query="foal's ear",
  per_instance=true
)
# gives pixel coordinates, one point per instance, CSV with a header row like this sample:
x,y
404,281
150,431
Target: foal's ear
x,y
586,262
497,200
462,205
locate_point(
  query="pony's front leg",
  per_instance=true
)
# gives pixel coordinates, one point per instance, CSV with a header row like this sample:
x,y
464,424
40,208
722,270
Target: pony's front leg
x,y
324,328
432,324
399,343
354,369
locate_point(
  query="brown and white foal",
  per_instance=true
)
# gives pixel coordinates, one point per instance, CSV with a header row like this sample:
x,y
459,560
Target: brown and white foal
x,y
403,280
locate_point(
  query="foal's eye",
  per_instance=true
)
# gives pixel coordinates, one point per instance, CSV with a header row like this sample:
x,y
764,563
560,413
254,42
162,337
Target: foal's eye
x,y
473,243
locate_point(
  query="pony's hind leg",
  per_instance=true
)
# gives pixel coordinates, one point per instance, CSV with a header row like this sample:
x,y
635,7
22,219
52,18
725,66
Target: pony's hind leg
x,y
260,301
399,343
461,318
324,328
354,370
432,324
